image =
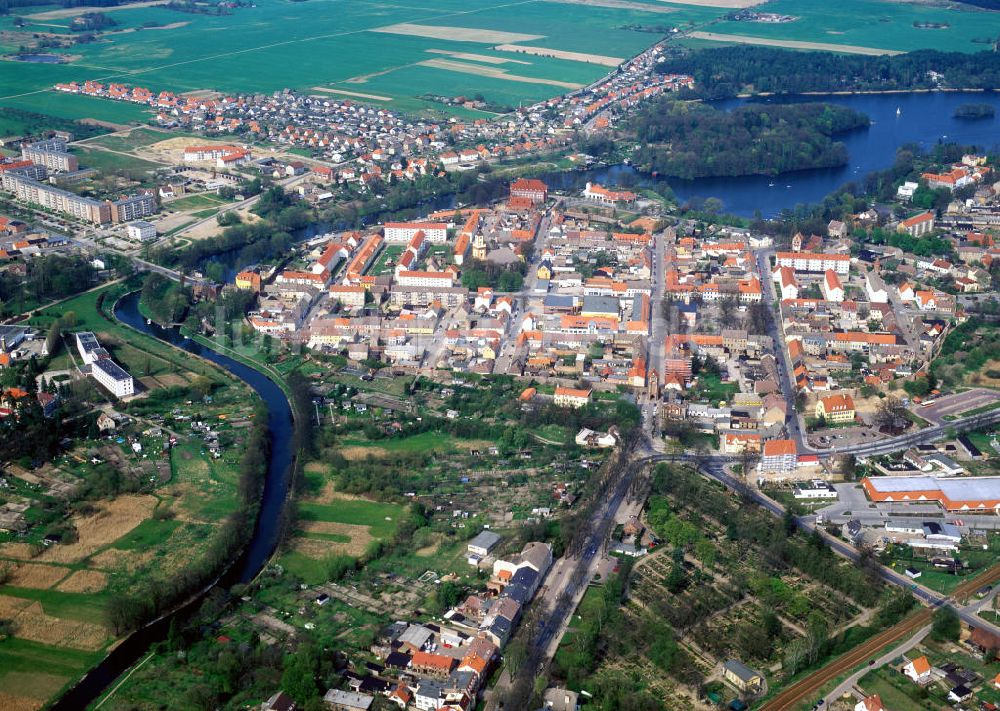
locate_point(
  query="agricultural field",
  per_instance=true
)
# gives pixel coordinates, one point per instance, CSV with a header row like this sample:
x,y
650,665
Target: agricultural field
x,y
116,510
888,27
394,52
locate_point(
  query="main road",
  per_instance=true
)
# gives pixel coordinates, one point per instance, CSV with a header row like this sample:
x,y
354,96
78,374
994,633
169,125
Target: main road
x,y
788,389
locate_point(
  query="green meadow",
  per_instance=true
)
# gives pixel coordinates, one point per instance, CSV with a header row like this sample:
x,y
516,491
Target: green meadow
x,y
331,43
334,44
881,24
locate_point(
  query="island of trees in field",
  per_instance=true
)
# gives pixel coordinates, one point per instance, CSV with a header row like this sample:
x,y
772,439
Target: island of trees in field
x,y
696,141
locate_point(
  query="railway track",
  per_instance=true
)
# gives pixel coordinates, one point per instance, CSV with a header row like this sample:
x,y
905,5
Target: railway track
x,y
801,691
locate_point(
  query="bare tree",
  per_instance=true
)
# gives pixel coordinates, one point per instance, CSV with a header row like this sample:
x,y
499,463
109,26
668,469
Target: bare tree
x,y
890,413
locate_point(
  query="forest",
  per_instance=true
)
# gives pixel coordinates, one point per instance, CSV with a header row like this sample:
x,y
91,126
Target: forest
x,y
695,141
725,72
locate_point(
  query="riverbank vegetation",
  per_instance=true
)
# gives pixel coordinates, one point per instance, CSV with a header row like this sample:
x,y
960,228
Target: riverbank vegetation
x,y
380,524
725,72
125,514
695,141
410,198
161,590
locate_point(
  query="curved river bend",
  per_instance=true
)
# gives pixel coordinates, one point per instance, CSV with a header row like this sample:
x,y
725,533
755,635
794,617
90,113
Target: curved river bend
x,y
265,535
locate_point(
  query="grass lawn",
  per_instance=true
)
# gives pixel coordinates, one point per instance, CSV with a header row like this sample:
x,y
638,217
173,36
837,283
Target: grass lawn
x,y
553,432
588,607
711,386
147,534
939,580
891,687
85,607
106,161
425,442
192,202
381,265
311,570
138,138
380,518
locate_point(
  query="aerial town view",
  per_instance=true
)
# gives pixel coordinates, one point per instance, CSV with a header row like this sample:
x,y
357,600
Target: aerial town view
x,y
612,355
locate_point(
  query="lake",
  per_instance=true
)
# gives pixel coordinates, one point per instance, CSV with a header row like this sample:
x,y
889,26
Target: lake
x,y
923,118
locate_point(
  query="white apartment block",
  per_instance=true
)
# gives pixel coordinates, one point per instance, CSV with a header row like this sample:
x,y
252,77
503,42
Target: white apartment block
x,y
410,278
113,377
806,262
436,232
141,230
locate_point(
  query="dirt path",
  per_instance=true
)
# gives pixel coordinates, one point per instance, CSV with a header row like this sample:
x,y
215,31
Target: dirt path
x,y
793,44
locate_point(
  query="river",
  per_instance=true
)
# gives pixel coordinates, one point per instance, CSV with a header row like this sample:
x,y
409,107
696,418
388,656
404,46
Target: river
x,y
924,119
265,535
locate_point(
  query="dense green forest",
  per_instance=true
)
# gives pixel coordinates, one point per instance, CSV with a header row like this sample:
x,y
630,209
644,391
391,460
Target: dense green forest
x,y
695,141
725,72
6,6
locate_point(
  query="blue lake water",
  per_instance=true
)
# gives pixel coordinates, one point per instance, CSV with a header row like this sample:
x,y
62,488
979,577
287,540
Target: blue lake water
x,y
924,119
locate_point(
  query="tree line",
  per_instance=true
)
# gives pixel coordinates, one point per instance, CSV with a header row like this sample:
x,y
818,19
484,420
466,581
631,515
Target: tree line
x,y
726,72
129,610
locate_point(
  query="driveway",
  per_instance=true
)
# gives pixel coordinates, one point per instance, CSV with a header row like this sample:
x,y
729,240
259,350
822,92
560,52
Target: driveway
x,y
849,684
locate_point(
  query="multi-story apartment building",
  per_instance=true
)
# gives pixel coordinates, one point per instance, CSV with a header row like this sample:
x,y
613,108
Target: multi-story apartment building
x,y
52,198
113,377
405,231
779,456
52,154
133,207
808,262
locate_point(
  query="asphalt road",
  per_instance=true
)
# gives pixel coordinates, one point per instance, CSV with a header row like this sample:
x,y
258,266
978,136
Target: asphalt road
x,y
776,333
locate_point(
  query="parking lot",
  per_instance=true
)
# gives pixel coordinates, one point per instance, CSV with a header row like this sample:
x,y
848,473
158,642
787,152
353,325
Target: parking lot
x,y
950,406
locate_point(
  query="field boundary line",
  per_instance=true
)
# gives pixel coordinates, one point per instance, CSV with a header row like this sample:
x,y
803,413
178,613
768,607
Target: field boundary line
x,y
131,671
